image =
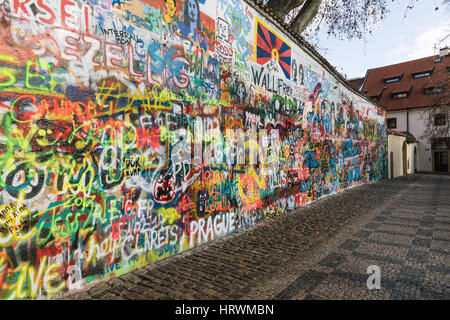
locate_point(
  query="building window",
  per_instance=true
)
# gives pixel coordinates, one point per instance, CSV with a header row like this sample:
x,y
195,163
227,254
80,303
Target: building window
x,y
434,90
391,80
422,74
400,95
391,123
440,119
374,98
440,143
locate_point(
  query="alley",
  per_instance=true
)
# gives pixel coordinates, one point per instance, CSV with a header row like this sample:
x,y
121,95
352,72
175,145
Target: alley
x,y
321,251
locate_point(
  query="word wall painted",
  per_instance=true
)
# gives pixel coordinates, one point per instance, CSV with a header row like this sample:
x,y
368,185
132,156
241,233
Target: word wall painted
x,y
135,130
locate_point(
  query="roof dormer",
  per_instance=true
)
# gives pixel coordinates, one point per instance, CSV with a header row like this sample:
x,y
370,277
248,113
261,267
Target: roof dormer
x,y
393,78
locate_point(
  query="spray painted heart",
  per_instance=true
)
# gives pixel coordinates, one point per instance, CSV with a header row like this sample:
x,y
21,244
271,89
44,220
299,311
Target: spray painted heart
x,y
131,208
117,228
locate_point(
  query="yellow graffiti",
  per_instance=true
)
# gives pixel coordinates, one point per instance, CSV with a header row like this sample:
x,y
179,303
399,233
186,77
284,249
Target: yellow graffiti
x,y
5,264
170,7
96,251
169,214
11,219
251,180
7,72
40,65
29,282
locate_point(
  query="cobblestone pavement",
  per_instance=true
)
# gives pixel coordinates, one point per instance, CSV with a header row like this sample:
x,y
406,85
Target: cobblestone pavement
x,y
321,251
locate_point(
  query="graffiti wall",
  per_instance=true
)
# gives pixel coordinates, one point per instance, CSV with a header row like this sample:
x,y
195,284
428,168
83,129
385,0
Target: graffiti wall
x,y
132,130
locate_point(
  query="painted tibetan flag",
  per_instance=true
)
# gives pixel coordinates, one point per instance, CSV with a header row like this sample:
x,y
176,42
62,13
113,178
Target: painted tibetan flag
x,y
270,46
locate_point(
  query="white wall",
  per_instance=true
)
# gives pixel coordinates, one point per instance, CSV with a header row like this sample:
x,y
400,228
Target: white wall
x,y
410,156
401,120
417,125
395,144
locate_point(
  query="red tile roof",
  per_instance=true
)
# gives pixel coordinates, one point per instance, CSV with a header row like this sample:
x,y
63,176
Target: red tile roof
x,y
375,85
356,82
396,133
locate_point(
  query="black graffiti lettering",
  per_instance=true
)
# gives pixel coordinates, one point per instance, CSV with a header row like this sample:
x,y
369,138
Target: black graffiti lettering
x,y
34,181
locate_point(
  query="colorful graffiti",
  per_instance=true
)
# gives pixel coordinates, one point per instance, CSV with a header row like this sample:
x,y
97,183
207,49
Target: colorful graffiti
x,y
134,130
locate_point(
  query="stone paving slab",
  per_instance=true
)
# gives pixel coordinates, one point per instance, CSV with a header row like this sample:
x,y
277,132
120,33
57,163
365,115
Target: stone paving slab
x,y
321,251
403,276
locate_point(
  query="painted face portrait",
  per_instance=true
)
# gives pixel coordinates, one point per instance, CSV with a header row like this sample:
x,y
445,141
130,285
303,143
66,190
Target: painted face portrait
x,y
191,14
191,24
193,11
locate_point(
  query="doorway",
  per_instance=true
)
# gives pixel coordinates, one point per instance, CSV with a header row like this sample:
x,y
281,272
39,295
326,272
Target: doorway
x,y
441,161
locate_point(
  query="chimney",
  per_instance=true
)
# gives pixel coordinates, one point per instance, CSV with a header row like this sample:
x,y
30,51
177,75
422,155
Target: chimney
x,y
443,52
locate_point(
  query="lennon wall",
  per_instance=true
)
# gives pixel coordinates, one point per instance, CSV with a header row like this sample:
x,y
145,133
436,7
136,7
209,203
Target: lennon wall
x,y
134,130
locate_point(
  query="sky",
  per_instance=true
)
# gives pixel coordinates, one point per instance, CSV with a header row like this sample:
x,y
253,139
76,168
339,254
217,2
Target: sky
x,y
396,39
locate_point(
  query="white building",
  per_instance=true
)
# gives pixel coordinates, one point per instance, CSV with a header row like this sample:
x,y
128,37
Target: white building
x,y
407,90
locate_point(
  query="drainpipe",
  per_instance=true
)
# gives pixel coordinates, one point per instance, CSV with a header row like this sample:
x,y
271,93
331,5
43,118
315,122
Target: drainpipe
x,y
407,119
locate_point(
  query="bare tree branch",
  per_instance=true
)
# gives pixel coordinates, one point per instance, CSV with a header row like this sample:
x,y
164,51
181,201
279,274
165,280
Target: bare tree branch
x,y
440,106
342,18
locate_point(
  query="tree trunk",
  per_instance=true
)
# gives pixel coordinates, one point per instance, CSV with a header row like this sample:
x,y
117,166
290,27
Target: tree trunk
x,y
306,15
282,8
292,5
